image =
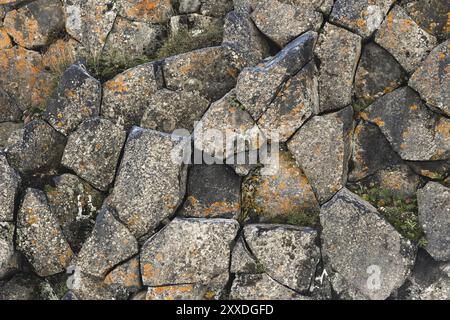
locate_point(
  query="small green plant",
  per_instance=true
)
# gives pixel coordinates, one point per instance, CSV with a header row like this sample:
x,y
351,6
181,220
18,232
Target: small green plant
x,y
300,218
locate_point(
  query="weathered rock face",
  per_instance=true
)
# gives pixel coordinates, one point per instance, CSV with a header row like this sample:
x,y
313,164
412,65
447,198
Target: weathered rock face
x,y
170,110
414,132
9,110
89,287
5,40
39,148
126,96
126,276
288,254
9,184
76,99
434,216
8,130
158,11
322,149
378,73
338,51
6,248
404,39
242,260
188,251
151,180
93,151
362,247
109,244
39,235
213,191
35,24
432,80
24,286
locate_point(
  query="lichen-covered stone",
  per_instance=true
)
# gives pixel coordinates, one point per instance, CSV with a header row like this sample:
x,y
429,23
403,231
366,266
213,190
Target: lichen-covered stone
x,y
75,204
216,8
5,40
93,151
38,149
294,104
260,287
88,287
61,54
377,74
432,79
6,247
434,216
360,16
170,110
436,170
338,51
188,251
35,24
257,86
26,286
39,235
213,191
125,97
126,276
414,131
76,99
151,180
283,22
227,118
322,149
9,186
9,110
288,254
150,11
109,244
363,248
211,71
242,260
7,131
404,39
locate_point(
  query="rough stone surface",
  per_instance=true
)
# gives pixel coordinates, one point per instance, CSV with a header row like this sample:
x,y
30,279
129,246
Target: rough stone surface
x,y
24,286
288,254
5,40
322,149
93,151
9,110
7,130
151,11
109,244
434,216
9,185
76,99
188,251
149,185
89,287
242,260
6,248
126,276
213,191
361,245
39,235
432,80
404,39
170,110
338,51
39,148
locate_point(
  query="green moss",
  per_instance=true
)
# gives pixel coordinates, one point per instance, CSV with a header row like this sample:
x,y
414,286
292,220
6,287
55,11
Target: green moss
x,y
402,213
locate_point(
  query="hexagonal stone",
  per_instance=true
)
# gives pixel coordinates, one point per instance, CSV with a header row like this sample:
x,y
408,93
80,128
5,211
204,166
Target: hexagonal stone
x,y
9,184
75,204
241,34
432,80
430,15
35,24
76,99
38,149
151,181
378,73
283,22
338,51
294,104
404,39
414,132
26,286
360,16
7,130
188,251
242,260
213,191
371,152
288,254
260,287
434,216
126,276
210,71
93,151
170,110
125,97
39,235
109,244
257,86
363,248
150,11
6,247
226,121
283,195
322,149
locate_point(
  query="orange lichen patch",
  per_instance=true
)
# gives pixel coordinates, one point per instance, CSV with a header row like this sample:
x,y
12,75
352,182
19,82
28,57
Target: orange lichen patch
x,y
155,11
361,23
169,292
31,217
413,107
443,128
149,271
60,55
221,207
65,257
209,295
364,116
117,84
5,40
378,122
